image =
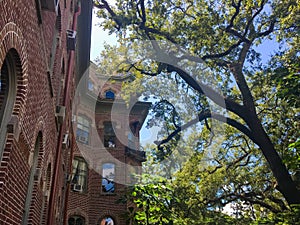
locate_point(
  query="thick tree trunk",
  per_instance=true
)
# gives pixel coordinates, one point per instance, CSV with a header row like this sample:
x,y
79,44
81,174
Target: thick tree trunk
x,y
286,185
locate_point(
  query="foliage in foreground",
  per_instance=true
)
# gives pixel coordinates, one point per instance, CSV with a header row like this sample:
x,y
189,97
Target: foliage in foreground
x,y
247,157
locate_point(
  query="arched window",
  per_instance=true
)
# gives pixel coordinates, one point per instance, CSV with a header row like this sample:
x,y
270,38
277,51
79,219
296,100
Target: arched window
x,y
108,177
76,220
107,221
79,175
109,94
7,93
83,130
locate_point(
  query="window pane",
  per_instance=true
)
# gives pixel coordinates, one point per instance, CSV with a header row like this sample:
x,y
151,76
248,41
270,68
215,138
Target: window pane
x,y
90,85
110,95
108,128
79,221
76,220
108,176
71,221
83,130
107,221
82,136
3,88
79,175
109,135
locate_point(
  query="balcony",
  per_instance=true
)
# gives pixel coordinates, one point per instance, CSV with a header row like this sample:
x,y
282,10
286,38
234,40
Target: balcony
x,y
136,154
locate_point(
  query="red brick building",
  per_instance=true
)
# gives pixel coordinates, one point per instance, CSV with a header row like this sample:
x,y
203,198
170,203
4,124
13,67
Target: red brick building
x,y
44,50
107,154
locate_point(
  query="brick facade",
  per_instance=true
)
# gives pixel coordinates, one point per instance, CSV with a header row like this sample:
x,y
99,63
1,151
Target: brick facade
x,y
36,63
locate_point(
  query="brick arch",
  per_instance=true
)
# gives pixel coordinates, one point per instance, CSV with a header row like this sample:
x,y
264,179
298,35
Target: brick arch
x,y
12,40
78,212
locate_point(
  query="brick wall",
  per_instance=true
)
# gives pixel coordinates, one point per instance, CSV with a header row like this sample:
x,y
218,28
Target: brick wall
x,y
38,49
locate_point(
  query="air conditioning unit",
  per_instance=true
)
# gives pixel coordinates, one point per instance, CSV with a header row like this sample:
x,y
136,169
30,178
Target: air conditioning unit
x,y
77,187
60,113
66,141
56,3
71,39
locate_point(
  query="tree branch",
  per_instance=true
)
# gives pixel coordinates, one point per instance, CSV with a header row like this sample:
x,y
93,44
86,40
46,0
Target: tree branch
x,y
201,88
202,116
106,6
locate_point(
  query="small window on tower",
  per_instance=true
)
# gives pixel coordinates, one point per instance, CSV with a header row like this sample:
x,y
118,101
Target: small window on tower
x,y
109,95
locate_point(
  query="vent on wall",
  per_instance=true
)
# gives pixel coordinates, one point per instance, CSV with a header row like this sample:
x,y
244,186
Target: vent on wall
x,y
66,141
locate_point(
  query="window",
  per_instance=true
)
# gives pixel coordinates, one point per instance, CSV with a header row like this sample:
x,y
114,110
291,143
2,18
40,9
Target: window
x,y
76,220
109,135
131,143
8,75
108,176
134,127
79,175
4,86
107,221
109,95
83,130
90,85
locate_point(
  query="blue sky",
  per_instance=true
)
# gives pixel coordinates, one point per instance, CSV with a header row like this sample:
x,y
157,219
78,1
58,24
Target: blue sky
x,y
99,37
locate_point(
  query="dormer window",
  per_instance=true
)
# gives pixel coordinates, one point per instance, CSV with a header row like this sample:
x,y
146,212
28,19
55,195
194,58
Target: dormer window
x,y
109,94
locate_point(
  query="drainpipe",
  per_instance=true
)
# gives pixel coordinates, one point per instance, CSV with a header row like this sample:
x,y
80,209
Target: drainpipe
x,y
62,127
65,219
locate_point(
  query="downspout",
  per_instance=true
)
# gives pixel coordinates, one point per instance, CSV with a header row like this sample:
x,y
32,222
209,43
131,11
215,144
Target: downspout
x,y
62,127
65,219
